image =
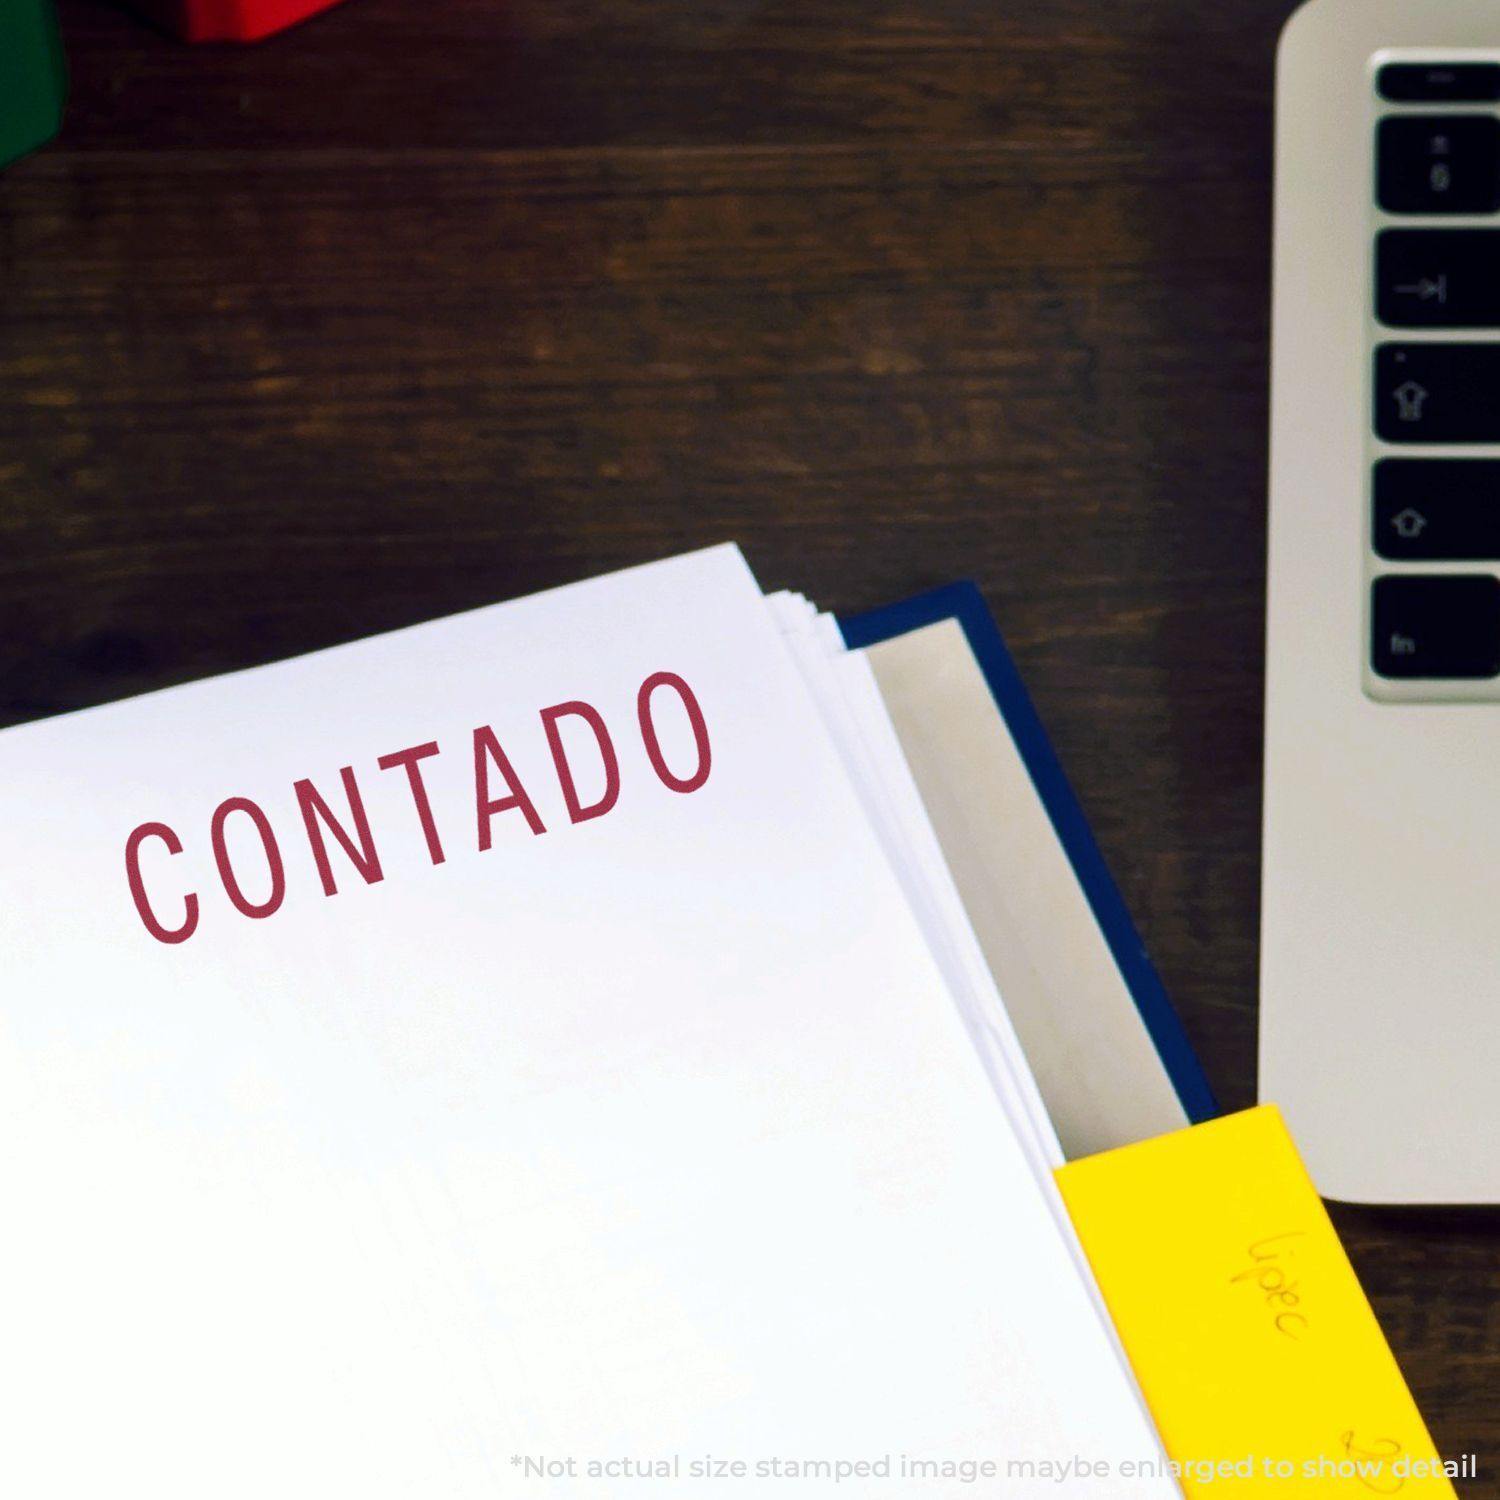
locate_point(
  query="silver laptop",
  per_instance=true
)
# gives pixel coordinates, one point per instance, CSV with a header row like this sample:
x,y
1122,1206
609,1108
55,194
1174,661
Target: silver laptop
x,y
1380,1001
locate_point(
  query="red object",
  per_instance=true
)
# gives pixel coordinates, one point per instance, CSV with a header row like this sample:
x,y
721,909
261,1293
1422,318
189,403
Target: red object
x,y
229,20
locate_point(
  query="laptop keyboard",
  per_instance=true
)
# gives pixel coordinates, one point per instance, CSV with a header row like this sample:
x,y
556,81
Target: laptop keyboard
x,y
1436,384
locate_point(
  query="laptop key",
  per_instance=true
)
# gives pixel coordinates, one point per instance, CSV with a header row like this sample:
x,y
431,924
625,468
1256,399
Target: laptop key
x,y
1445,627
1437,509
1437,393
1439,164
1439,83
1438,278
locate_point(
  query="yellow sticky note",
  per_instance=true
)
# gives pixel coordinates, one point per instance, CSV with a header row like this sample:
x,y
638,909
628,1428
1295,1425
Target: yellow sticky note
x,y
1257,1350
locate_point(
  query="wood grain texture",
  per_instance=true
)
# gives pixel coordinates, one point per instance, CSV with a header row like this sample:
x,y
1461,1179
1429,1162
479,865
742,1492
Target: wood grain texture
x,y
427,304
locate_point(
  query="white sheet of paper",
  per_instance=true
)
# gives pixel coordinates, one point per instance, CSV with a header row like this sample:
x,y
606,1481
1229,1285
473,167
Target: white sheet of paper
x,y
844,690
655,1135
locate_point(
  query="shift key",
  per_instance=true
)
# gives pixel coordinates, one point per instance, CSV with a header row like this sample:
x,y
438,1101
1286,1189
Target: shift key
x,y
1437,393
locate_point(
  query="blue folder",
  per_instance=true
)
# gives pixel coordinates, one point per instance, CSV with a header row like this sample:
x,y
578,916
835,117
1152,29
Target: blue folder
x,y
963,603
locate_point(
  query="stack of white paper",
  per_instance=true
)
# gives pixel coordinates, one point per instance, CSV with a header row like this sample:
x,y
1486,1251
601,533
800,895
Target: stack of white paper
x,y
541,1052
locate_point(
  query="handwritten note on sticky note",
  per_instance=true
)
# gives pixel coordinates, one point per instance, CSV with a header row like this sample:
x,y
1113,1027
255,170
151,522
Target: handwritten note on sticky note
x,y
1257,1351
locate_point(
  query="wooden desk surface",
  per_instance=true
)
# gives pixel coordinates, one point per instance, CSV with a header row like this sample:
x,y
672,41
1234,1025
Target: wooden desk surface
x,y
432,302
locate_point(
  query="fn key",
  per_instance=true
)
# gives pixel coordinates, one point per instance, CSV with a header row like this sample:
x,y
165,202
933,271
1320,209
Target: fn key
x,y
1445,626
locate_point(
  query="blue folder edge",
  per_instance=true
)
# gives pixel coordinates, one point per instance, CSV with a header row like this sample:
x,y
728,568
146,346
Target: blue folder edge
x,y
964,603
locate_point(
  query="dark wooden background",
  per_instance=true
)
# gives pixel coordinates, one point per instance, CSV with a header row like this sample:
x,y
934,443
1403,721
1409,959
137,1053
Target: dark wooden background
x,y
433,302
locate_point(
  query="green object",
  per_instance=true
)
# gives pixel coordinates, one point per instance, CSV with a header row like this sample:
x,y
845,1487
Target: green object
x,y
33,77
